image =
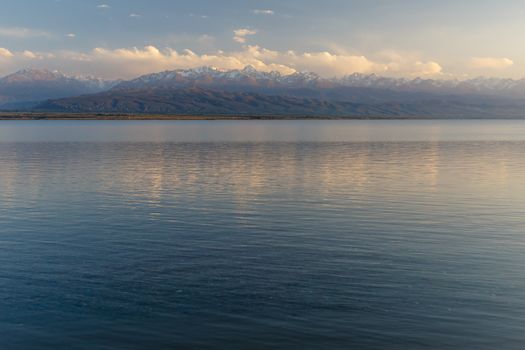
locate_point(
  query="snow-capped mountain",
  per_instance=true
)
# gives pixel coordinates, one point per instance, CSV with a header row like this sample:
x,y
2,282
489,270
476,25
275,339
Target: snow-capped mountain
x,y
481,85
210,87
213,77
252,79
31,85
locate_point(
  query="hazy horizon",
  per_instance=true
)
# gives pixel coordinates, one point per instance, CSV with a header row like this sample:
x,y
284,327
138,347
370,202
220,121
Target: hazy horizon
x,y
224,70
124,39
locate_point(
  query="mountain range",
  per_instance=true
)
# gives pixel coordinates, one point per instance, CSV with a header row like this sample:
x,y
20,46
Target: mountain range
x,y
210,91
250,77
29,87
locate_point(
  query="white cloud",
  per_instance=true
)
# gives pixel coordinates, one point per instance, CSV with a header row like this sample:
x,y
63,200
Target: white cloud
x,y
131,62
329,64
134,15
199,16
71,35
425,69
103,6
241,34
29,54
137,61
408,64
264,12
5,53
490,63
21,33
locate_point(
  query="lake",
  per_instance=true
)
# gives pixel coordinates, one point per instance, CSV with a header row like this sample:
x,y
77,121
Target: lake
x,y
262,234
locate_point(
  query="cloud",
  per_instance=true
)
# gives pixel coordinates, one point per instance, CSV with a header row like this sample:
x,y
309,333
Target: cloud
x,y
71,35
263,12
22,33
131,62
425,69
103,6
29,54
199,16
407,64
490,63
328,64
241,34
134,15
134,61
5,53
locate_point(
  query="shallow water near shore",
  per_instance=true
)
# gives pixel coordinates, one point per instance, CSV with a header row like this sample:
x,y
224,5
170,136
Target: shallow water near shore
x,y
261,234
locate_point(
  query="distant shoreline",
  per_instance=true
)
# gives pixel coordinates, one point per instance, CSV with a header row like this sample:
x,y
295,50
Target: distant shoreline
x,y
114,116
13,116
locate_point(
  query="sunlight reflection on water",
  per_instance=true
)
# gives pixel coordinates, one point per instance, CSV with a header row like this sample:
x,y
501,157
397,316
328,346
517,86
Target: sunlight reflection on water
x,y
359,234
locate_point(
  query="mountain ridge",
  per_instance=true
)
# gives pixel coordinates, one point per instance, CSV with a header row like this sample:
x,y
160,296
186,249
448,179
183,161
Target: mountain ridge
x,y
250,77
209,90
28,87
198,101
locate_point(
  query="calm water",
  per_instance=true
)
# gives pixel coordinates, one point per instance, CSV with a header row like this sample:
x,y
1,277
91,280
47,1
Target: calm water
x,y
235,235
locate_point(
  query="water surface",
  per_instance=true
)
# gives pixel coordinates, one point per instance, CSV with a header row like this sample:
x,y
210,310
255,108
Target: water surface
x,y
241,234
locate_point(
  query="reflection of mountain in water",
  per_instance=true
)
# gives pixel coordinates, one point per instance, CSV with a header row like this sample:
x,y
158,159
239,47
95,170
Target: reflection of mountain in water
x,y
248,172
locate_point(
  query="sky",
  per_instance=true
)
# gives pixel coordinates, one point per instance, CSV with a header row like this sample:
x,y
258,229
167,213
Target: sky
x,y
442,39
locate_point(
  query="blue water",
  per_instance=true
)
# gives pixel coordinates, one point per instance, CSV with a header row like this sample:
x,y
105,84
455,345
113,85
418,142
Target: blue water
x,y
240,235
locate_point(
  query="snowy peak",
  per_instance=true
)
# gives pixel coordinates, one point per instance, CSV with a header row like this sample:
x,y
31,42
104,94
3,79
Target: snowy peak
x,y
480,85
250,70
29,85
209,76
27,75
41,84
